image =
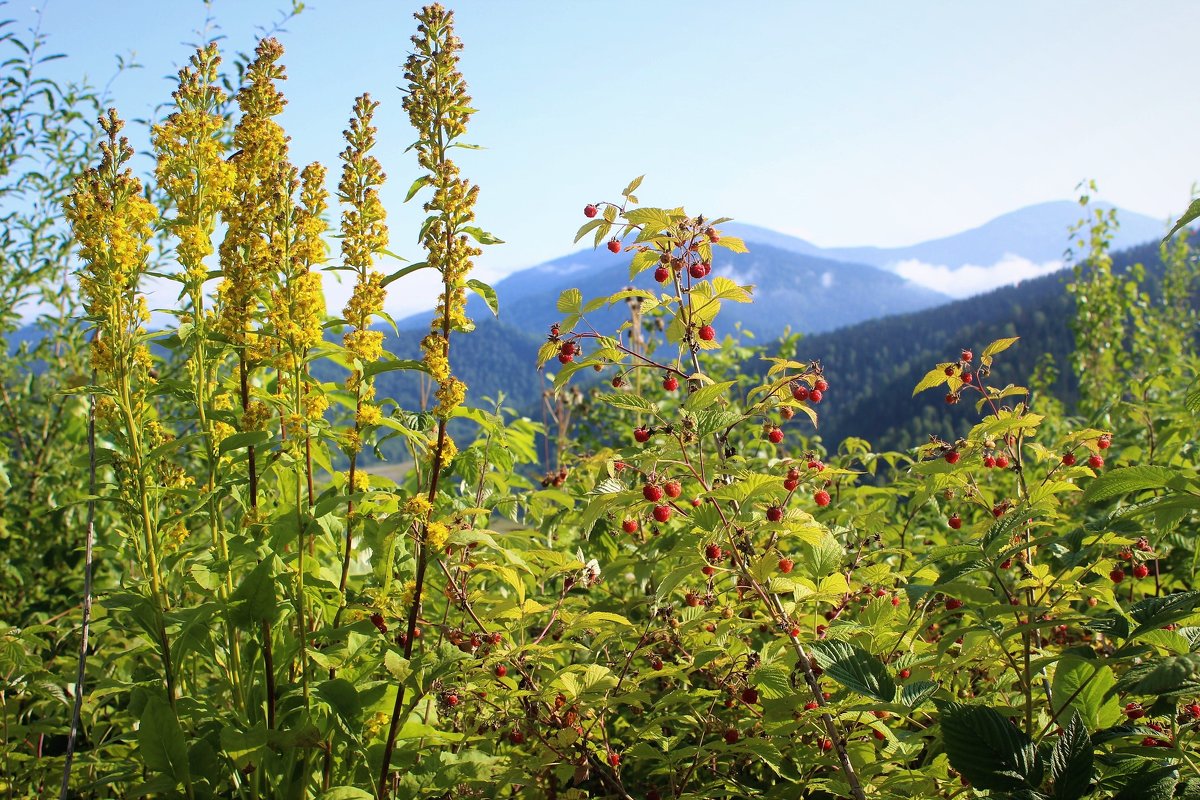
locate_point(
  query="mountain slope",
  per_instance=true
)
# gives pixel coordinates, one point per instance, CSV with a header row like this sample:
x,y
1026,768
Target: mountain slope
x,y
795,291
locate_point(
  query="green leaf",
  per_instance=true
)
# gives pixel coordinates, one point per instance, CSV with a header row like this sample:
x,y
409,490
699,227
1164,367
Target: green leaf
x,y
161,743
629,402
480,235
632,187
1156,612
342,698
935,377
255,598
245,747
1082,685
1125,480
570,301
400,273
1071,761
856,669
915,693
487,293
1193,211
345,793
641,262
732,243
704,397
988,750
416,187
1171,675
1151,782
241,440
998,346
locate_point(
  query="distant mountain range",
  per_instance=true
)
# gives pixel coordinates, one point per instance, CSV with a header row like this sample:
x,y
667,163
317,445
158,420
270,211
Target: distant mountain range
x,y
811,289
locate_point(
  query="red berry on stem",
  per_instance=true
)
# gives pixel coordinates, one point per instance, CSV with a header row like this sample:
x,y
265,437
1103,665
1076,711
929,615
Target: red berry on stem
x,y
952,457
775,435
821,498
1117,575
641,434
955,521
731,735
713,552
749,695
1141,571
953,604
501,670
989,461
1096,462
905,674
614,246
1104,442
707,333
815,396
785,565
614,758
661,274
516,737
696,271
589,211
662,513
774,514
652,493
826,744
967,355
820,385
1002,461
1068,459
670,383
672,488
630,526
800,392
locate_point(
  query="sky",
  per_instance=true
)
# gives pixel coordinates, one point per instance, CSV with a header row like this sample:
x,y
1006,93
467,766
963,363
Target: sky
x,y
866,123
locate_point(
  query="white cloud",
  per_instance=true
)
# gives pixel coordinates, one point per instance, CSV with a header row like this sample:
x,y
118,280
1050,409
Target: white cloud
x,y
727,270
826,280
971,279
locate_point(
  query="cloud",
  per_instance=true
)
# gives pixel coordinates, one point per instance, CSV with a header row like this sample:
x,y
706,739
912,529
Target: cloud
x,y
826,279
971,279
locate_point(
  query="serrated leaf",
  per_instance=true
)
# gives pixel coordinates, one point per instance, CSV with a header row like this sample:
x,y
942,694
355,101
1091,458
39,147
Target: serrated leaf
x,y
732,243
633,186
629,402
935,377
570,301
1071,761
704,397
999,346
1125,480
915,693
1171,675
855,668
1082,685
725,289
988,750
641,262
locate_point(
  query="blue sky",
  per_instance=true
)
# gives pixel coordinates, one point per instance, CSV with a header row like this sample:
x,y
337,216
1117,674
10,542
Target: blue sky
x,y
845,123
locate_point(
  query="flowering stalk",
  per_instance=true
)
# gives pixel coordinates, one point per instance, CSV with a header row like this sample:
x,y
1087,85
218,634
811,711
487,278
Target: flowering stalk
x,y
246,257
364,234
113,222
439,108
193,173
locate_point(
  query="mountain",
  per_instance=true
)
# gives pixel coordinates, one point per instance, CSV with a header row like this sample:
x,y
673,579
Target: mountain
x,y
832,293
1023,244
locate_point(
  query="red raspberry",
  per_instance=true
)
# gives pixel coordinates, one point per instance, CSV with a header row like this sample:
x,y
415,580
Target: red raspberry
x,y
1002,461
820,385
905,674
953,604
791,484
630,526
707,333
1096,462
670,383
785,565
811,705
989,461
800,392
1141,571
955,521
775,435
696,271
967,355
1104,442
377,621
614,758
672,488
821,498
614,246
826,744
589,211
774,514
951,457
1117,575
501,670
749,695
731,735
641,435
815,396
713,552
662,513
1068,459
662,275
652,493
1134,711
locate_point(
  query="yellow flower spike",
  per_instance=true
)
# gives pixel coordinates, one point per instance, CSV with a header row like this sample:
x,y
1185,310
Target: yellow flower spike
x,y
436,535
